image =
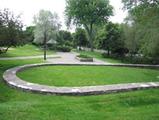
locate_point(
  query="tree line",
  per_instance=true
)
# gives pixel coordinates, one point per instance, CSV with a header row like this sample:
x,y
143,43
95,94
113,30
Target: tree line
x,y
136,39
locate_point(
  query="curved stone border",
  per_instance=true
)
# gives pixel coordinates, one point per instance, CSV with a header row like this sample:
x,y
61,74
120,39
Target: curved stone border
x,y
11,79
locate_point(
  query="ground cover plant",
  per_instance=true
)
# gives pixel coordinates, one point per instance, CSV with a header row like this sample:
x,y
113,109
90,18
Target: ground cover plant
x,y
98,55
83,56
137,36
87,75
26,50
19,105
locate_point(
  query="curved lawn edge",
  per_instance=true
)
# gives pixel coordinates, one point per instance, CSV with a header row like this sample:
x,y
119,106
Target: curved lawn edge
x,y
11,79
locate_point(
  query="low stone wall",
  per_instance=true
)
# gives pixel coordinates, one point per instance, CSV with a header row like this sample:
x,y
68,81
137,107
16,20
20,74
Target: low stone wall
x,y
84,59
11,79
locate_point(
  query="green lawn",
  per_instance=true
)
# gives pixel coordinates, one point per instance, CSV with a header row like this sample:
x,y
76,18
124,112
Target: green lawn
x,y
98,56
19,105
87,75
26,50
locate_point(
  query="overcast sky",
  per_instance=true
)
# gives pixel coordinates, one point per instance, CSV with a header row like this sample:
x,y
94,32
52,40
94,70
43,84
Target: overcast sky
x,y
28,8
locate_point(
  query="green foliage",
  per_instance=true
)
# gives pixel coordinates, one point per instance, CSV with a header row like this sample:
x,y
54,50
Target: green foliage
x,y
29,33
64,48
143,16
148,25
63,36
11,33
83,56
80,37
131,40
66,35
88,13
120,59
130,4
131,59
46,26
100,56
64,41
19,105
109,38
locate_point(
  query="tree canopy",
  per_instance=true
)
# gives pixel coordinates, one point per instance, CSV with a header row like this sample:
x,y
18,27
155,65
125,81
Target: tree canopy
x,y
87,13
80,38
144,19
64,37
46,26
11,33
109,38
29,33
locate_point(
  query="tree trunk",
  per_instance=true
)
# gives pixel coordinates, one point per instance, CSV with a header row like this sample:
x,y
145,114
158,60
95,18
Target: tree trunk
x,y
108,52
91,43
45,46
90,33
91,37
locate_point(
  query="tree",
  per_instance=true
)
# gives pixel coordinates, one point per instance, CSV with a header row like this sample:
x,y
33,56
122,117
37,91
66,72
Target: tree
x,y
110,38
63,36
29,33
46,26
80,37
64,41
11,33
130,4
145,22
130,39
88,13
66,35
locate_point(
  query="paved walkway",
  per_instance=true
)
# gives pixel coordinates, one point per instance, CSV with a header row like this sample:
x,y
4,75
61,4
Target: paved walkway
x,y
28,57
60,57
69,58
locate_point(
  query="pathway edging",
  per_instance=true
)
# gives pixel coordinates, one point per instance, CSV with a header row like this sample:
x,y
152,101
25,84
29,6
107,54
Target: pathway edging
x,y
28,57
10,78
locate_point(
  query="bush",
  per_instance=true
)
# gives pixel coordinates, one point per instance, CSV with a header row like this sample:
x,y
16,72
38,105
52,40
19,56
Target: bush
x,y
64,48
120,52
51,46
133,59
68,43
83,56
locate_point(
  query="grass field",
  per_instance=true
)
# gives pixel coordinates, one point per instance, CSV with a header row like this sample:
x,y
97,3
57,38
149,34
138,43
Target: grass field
x,y
87,75
26,50
19,105
98,56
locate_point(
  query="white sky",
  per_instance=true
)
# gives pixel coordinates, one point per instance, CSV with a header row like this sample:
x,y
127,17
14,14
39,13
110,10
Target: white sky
x,y
28,8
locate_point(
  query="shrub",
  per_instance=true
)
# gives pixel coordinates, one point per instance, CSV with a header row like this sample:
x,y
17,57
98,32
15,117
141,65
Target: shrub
x,y
83,56
64,48
133,59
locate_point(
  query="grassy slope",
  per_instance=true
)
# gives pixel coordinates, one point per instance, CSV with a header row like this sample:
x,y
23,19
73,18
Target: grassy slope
x,y
27,50
99,56
87,75
18,105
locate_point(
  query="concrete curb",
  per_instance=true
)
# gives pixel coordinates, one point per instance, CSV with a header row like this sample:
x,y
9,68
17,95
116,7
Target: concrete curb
x,y
11,79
